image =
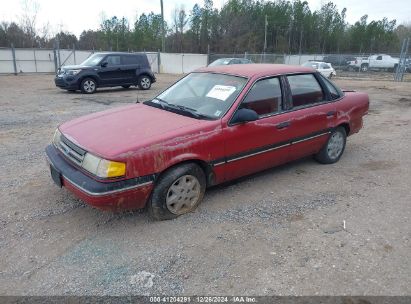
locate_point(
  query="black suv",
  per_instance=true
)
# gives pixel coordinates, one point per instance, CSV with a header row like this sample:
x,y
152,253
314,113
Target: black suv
x,y
107,70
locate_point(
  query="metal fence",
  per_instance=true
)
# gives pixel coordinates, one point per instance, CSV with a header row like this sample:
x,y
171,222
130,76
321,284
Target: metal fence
x,y
15,61
346,65
20,60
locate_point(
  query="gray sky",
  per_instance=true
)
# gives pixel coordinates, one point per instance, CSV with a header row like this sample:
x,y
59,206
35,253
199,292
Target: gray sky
x,y
76,15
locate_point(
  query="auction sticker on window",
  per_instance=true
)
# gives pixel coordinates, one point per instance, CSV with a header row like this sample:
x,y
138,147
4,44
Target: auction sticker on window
x,y
221,92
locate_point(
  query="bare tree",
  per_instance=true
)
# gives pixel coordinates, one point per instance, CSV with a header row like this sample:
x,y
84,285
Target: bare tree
x,y
180,20
29,20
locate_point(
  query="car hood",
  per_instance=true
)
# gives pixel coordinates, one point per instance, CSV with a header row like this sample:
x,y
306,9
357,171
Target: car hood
x,y
114,132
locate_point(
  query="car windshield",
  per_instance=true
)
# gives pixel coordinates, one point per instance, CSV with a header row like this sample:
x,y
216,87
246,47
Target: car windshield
x,y
93,60
221,61
201,95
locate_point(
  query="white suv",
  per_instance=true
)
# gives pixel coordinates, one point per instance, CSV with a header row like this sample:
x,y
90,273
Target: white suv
x,y
324,68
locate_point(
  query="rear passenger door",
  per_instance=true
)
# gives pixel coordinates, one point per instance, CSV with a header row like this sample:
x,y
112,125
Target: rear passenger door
x,y
130,67
313,115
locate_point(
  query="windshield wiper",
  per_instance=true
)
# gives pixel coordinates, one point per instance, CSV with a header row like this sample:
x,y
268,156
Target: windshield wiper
x,y
192,112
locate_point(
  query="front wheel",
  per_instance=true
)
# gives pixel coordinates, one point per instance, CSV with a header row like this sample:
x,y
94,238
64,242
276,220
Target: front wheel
x,y
333,149
178,191
88,86
144,82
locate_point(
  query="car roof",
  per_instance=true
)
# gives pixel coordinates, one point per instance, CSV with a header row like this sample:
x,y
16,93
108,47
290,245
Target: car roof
x,y
120,53
256,69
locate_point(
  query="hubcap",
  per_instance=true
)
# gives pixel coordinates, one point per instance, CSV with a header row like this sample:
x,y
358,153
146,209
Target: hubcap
x,y
145,83
183,194
335,145
89,86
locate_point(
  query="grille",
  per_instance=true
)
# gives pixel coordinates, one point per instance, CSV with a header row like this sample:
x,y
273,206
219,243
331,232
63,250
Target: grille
x,y
71,151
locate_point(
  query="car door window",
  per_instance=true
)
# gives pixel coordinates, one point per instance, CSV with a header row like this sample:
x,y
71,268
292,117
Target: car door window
x,y
129,59
325,66
113,60
379,58
305,90
264,97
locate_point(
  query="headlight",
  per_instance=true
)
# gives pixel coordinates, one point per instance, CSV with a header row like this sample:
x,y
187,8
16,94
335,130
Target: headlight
x,y
102,167
73,72
57,137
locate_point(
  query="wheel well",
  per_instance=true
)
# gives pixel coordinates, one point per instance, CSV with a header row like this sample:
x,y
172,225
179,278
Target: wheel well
x,y
346,126
146,74
207,169
82,78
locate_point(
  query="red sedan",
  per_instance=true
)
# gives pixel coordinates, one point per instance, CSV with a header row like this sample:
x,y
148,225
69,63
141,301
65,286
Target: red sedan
x,y
214,125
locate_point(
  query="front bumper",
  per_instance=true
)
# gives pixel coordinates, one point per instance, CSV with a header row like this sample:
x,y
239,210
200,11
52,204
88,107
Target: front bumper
x,y
66,82
127,194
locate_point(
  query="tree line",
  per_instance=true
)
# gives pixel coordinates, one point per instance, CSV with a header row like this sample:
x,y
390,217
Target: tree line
x,y
239,26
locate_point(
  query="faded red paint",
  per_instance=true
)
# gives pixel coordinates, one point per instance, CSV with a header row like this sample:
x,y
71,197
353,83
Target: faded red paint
x,y
125,200
150,140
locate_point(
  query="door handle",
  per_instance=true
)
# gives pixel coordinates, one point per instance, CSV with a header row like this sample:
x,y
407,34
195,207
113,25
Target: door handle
x,y
283,125
331,113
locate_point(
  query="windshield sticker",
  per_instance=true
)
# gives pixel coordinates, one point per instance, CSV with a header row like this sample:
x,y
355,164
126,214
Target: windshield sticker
x,y
217,113
221,92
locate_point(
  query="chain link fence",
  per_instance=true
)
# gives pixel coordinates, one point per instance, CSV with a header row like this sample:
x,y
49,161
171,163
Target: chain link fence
x,y
368,66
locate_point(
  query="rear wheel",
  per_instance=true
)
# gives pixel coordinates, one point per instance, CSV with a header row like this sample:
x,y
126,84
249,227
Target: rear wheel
x,y
88,86
144,82
178,191
333,149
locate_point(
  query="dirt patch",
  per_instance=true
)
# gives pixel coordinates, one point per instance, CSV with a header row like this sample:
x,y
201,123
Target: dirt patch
x,y
380,165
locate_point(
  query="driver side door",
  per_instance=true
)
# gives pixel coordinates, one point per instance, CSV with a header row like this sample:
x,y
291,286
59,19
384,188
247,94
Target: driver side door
x,y
256,145
111,73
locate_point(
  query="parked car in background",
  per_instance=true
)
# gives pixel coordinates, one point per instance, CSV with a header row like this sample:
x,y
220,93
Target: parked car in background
x,y
214,125
340,61
355,65
227,61
107,70
324,68
375,62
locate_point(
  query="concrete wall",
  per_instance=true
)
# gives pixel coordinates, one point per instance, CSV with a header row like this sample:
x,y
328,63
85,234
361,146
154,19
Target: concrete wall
x,y
42,61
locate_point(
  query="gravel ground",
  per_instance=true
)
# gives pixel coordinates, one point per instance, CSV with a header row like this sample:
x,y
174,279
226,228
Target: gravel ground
x,y
277,232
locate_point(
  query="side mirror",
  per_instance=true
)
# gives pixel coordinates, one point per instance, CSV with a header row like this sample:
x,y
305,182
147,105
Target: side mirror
x,y
104,64
244,115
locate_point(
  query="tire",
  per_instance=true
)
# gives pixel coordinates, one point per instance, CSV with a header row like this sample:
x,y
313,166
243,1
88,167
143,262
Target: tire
x,y
126,86
364,67
88,86
330,76
177,192
334,147
144,82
